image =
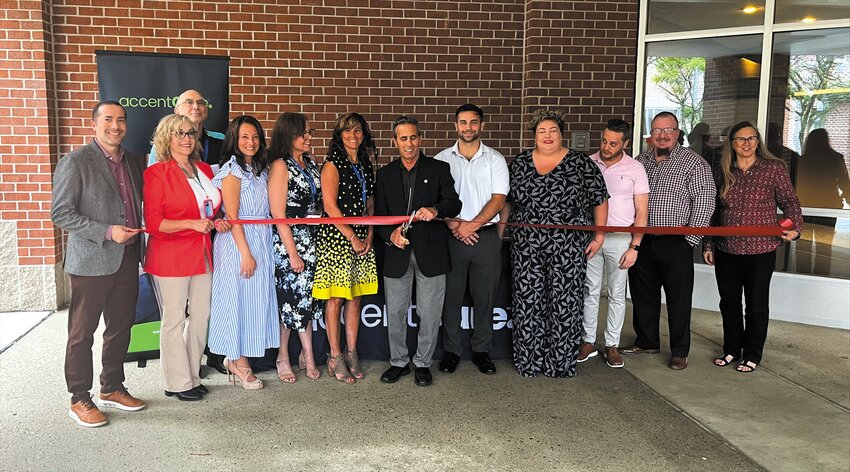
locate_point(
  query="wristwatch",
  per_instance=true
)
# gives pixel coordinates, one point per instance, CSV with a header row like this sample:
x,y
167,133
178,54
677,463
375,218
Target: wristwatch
x,y
635,247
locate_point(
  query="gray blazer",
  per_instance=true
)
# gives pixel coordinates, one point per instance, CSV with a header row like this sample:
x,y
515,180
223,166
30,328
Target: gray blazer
x,y
86,202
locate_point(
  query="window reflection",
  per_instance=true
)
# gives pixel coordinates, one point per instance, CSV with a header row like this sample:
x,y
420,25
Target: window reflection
x,y
709,84
809,11
809,113
668,16
809,127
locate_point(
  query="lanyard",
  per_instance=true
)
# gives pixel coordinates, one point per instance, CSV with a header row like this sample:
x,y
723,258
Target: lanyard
x,y
196,177
307,177
361,178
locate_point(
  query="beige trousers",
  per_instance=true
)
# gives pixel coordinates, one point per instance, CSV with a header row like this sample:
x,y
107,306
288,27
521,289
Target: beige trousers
x,y
182,339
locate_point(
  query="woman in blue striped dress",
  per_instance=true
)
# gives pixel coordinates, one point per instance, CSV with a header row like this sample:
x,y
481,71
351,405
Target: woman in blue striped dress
x,y
243,319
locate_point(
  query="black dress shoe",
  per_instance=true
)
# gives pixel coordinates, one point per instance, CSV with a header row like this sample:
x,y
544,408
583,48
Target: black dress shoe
x,y
449,362
216,362
482,360
187,396
422,376
392,374
202,389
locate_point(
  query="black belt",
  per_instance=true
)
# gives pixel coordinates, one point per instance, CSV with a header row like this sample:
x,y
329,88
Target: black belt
x,y
486,228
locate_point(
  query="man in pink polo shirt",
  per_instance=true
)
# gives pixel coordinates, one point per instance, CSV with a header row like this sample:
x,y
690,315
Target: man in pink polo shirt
x,y
628,206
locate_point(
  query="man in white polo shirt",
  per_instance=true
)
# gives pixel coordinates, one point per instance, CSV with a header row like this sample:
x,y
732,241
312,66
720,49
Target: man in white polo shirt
x,y
481,180
628,206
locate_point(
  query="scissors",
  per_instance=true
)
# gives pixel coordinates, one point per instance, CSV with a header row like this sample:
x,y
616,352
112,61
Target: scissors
x,y
406,226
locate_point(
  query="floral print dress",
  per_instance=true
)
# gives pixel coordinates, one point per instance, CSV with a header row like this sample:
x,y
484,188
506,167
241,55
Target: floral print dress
x,y
294,289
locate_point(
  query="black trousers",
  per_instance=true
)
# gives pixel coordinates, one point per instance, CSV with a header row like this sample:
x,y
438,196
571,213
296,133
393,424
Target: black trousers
x,y
663,262
750,275
479,267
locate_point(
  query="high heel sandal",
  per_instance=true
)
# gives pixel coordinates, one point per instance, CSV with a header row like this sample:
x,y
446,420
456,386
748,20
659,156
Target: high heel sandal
x,y
285,376
339,371
242,373
354,364
312,374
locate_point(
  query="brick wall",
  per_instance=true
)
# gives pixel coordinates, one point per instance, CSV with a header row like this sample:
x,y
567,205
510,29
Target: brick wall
x,y
580,59
30,246
320,57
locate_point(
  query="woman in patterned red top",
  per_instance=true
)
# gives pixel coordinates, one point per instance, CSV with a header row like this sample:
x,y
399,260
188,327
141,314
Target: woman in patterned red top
x,y
751,183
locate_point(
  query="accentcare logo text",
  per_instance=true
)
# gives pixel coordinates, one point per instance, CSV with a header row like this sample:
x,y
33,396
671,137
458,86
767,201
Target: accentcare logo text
x,y
152,102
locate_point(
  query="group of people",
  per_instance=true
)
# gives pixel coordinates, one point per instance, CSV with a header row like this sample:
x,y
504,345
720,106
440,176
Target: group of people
x,y
245,289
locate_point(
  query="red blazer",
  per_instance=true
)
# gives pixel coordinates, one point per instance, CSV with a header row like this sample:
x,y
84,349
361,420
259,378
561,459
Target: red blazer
x,y
168,196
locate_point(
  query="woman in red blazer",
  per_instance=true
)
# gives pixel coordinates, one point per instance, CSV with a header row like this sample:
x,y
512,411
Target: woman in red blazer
x,y
180,202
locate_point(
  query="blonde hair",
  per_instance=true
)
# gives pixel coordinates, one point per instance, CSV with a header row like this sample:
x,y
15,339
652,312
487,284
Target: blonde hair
x,y
165,131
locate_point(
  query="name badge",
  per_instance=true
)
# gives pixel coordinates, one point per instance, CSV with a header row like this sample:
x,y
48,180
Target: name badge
x,y
208,208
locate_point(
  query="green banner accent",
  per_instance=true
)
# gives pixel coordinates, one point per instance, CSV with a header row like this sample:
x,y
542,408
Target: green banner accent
x,y
144,337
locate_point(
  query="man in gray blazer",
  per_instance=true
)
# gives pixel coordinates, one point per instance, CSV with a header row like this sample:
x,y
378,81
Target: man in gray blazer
x,y
97,199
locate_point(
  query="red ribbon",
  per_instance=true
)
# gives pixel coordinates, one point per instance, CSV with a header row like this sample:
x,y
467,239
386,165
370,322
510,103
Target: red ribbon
x,y
667,230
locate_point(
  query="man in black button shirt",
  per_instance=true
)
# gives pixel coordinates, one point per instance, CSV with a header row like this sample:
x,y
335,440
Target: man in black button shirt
x,y
420,184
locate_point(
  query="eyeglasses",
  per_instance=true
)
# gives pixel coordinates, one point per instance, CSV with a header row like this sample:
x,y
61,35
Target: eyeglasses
x,y
657,131
182,134
306,133
201,102
748,139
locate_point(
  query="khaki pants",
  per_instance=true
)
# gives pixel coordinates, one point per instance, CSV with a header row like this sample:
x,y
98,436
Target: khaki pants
x,y
182,339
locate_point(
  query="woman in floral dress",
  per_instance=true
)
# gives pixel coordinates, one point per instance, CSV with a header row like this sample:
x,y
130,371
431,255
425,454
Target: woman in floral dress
x,y
295,192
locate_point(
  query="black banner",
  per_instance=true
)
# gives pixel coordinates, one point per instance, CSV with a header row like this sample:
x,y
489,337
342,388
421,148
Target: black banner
x,y
148,86
372,340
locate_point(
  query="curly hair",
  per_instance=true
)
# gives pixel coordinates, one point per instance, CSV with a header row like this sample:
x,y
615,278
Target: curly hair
x,y
367,150
542,115
165,131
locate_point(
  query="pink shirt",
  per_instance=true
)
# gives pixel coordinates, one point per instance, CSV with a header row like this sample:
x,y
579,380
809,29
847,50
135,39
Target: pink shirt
x,y
624,180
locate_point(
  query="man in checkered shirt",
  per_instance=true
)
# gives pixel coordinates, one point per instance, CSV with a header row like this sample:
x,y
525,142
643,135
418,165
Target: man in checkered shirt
x,y
681,193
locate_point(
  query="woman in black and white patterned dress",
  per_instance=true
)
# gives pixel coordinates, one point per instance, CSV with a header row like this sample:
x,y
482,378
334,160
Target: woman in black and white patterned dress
x,y
295,192
551,184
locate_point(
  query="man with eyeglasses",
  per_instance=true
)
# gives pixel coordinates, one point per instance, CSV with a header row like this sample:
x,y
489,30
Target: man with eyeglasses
x,y
681,193
194,106
423,187
97,198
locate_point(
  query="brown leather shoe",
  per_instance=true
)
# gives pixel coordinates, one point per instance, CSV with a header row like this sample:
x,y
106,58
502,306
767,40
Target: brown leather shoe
x,y
678,363
586,351
122,400
638,350
612,357
86,414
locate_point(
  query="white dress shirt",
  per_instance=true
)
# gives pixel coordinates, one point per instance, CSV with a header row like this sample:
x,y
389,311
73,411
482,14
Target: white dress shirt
x,y
477,179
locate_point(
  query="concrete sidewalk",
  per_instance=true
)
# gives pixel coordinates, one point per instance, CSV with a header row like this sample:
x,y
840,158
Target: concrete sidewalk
x,y
792,414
